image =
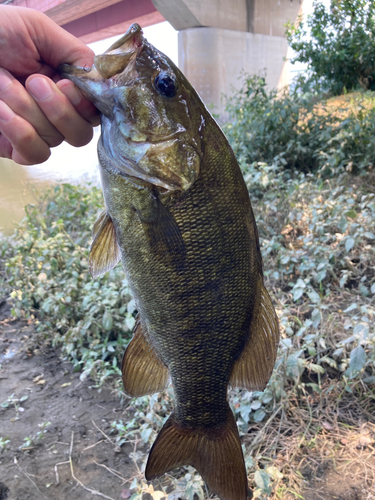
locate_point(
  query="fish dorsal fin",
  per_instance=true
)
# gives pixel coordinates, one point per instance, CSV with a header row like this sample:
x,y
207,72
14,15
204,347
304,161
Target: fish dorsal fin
x,y
104,252
254,367
142,370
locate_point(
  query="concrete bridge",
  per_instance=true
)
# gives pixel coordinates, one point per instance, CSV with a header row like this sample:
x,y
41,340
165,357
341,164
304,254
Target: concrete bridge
x,y
216,40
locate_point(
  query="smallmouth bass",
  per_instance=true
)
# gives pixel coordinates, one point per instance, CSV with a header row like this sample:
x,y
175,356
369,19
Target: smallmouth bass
x,y
179,217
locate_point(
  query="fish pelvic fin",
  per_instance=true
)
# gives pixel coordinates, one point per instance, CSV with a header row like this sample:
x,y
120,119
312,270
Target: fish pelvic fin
x,y
215,452
105,252
254,367
142,370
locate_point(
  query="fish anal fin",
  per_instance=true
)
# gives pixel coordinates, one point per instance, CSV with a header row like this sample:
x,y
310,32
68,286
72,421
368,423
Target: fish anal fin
x,y
104,251
254,367
215,452
142,371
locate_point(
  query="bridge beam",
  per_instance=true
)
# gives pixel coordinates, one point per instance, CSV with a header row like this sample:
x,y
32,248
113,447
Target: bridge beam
x,y
92,20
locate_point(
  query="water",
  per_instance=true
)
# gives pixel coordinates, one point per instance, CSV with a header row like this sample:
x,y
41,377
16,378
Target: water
x,y
20,184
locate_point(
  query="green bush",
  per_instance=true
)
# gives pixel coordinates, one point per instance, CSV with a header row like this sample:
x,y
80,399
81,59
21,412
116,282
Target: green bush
x,y
317,244
338,46
292,130
50,282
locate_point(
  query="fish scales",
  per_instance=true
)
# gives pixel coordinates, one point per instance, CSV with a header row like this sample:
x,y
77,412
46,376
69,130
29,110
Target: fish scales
x,y
181,307
178,214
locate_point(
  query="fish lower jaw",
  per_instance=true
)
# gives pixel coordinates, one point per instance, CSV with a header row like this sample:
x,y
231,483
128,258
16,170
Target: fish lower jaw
x,y
130,171
132,177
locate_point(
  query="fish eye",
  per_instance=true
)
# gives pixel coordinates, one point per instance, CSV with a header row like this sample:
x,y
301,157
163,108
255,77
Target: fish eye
x,y
165,83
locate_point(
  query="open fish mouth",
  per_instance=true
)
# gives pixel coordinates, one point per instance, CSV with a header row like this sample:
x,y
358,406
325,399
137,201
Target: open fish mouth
x,y
97,80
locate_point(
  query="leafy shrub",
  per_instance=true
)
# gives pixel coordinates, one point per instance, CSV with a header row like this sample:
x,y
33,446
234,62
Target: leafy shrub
x,y
50,282
292,130
318,249
338,46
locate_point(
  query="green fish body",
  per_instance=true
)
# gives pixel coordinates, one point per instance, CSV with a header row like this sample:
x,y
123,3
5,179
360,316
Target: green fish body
x,y
178,214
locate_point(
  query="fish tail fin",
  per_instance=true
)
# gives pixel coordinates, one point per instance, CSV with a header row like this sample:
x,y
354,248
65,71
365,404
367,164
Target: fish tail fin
x,y
215,452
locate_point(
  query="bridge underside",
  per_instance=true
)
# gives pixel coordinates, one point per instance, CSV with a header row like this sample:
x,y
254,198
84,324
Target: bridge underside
x,y
93,20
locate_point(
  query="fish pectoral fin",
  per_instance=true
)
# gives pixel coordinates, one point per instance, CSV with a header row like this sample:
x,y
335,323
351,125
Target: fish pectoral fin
x,y
215,452
254,367
142,370
102,217
163,233
104,251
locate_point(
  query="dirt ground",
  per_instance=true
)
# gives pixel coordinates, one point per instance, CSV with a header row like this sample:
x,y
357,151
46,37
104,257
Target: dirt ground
x,y
77,457
79,415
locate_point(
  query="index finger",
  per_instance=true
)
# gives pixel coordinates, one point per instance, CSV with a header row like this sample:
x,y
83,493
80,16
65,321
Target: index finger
x,y
55,45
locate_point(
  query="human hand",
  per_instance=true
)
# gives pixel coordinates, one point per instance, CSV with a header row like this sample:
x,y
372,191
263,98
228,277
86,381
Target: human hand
x,y
38,109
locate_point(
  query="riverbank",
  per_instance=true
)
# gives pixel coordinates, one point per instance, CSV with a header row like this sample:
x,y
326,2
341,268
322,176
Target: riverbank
x,y
55,429
21,185
314,423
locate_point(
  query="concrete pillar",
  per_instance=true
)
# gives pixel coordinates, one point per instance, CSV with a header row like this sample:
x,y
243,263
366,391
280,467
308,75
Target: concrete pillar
x,y
213,58
268,17
218,39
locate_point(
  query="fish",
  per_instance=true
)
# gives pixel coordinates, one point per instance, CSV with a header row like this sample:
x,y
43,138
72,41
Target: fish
x,y
178,216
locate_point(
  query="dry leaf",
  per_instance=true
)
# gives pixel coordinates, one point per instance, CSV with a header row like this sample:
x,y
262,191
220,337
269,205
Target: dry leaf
x,y
156,495
365,441
327,426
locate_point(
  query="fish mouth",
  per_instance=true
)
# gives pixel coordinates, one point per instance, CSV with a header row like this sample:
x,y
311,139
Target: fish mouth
x,y
120,58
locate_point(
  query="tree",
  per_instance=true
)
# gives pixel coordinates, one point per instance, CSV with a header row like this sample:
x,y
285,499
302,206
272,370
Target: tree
x,y
338,44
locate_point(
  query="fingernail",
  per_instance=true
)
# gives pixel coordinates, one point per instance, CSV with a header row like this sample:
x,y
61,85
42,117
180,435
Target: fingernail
x,y
40,89
6,114
5,80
